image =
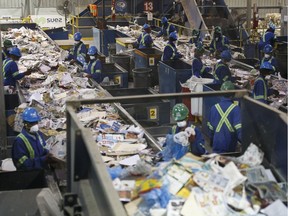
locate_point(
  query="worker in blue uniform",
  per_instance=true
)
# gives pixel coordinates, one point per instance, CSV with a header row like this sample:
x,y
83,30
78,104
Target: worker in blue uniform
x,y
28,150
261,91
170,51
225,123
222,72
94,65
166,29
269,37
219,42
145,40
268,57
198,69
180,114
7,46
195,39
79,48
10,70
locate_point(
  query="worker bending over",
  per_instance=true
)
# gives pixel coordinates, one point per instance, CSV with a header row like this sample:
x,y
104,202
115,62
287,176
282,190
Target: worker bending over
x,y
145,40
180,114
166,29
28,151
268,57
198,69
79,48
170,51
222,71
219,42
261,91
94,65
10,70
225,123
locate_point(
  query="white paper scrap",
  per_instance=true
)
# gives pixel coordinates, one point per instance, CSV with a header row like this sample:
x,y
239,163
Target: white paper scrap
x,y
276,208
130,161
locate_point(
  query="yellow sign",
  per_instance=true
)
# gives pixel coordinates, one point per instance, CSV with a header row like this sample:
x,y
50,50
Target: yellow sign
x,y
117,80
151,61
153,113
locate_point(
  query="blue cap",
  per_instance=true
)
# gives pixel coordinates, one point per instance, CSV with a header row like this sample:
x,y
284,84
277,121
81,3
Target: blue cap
x,y
226,55
77,36
164,20
146,26
173,35
15,51
268,49
92,50
30,114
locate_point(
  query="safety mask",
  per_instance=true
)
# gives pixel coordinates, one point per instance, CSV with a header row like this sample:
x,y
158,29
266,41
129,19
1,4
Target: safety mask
x,y
76,42
92,57
267,56
216,38
9,49
34,128
182,123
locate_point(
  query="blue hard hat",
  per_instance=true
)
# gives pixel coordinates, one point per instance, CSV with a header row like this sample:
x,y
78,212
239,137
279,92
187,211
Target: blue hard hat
x,y
81,59
226,55
15,51
268,49
266,65
164,20
77,36
30,114
173,35
92,50
146,26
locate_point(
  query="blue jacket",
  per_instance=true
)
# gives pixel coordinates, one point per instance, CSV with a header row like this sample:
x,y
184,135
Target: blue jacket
x,y
225,126
222,73
28,151
220,45
268,38
5,54
170,52
272,60
195,40
94,68
11,72
78,49
198,69
261,90
197,147
145,40
166,30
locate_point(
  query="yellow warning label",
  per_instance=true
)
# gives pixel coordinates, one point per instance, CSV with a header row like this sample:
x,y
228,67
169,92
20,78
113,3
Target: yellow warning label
x,y
153,113
151,61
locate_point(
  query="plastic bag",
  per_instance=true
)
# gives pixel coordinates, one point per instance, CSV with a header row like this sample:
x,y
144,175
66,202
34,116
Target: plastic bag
x,y
115,172
173,149
253,156
141,168
156,198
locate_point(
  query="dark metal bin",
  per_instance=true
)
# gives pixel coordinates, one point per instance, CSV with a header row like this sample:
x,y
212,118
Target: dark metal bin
x,y
148,58
153,110
116,73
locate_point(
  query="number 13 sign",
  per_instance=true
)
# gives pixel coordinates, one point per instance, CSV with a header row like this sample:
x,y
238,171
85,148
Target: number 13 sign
x,y
148,6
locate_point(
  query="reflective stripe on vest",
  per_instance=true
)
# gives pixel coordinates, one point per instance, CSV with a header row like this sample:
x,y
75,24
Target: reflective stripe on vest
x,y
223,40
79,49
167,30
173,50
93,66
142,42
217,66
5,63
224,118
28,146
265,90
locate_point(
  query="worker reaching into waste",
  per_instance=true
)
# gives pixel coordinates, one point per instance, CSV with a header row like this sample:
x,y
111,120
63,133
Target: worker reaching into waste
x,y
268,57
268,38
190,135
79,48
7,47
170,51
222,72
11,72
219,42
195,39
198,69
94,66
166,28
28,150
145,40
224,123
261,90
